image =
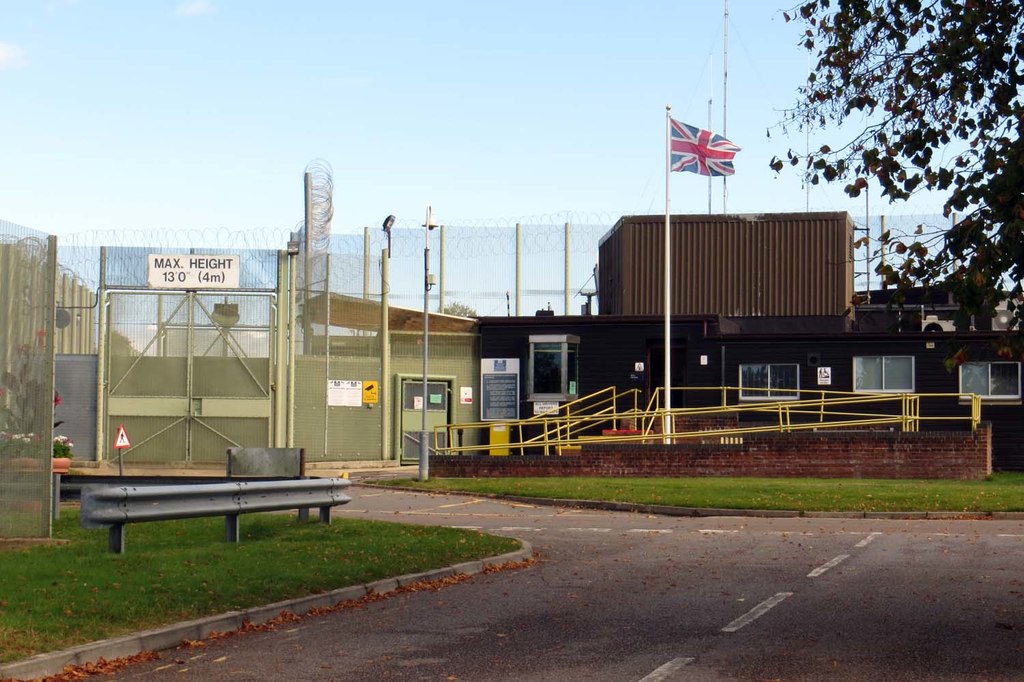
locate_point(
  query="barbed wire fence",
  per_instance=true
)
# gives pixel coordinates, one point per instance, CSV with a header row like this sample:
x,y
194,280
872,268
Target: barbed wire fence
x,y
476,260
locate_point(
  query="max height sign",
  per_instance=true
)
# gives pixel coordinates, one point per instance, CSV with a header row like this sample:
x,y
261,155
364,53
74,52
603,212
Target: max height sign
x,y
193,271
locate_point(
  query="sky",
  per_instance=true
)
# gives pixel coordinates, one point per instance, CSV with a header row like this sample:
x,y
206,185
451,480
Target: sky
x,y
204,114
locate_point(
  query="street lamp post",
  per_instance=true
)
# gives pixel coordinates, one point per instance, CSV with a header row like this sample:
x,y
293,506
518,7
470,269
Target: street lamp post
x,y
428,282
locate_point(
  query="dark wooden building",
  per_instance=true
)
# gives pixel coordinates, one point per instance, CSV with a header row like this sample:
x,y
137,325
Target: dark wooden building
x,y
758,264
783,356
766,304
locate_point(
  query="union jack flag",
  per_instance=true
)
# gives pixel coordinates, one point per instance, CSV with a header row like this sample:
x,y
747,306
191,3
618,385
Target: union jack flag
x,y
701,151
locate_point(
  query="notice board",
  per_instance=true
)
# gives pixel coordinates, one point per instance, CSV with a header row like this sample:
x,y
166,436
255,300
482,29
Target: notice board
x,y
499,389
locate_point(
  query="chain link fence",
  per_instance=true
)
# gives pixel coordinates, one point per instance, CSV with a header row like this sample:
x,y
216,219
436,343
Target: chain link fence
x,y
27,278
508,269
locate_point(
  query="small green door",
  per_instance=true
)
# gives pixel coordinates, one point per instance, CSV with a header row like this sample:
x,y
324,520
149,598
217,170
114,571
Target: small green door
x,y
411,417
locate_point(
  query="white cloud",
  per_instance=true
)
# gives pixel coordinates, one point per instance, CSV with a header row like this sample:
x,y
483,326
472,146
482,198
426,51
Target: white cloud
x,y
194,8
12,57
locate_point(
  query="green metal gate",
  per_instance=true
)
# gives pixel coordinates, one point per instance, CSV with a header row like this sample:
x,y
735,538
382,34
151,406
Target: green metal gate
x,y
189,374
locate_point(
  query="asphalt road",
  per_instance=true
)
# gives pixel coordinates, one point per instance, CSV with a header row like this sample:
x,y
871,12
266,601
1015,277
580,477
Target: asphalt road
x,y
620,596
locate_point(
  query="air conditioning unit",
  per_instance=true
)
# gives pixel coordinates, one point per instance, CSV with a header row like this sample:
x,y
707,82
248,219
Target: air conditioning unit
x,y
1001,322
932,323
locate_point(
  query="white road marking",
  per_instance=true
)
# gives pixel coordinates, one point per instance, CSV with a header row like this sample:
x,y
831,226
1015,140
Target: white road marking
x,y
515,528
664,671
438,513
458,504
756,612
592,530
648,530
831,564
867,541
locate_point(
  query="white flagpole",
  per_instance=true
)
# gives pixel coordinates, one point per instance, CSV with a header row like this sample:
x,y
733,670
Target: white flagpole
x,y
666,423
725,99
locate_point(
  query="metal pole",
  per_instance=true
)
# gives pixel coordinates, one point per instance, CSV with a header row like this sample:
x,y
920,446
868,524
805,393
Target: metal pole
x,y
50,327
103,335
666,422
290,432
281,356
882,246
711,96
440,274
519,268
725,99
424,471
66,294
867,251
366,263
189,376
327,344
385,355
307,269
567,284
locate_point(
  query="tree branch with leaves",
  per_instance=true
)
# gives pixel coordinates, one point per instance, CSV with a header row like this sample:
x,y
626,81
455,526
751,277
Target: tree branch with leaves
x,y
937,87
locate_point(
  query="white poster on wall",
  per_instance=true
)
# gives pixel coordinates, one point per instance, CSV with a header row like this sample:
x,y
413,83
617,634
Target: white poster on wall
x,y
344,393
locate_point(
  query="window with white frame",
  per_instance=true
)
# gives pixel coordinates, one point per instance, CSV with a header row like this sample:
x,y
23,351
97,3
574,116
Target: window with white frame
x,y
991,380
883,373
553,369
769,382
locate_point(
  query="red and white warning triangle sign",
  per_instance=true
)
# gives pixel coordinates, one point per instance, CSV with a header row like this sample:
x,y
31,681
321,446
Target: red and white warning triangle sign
x,y
122,438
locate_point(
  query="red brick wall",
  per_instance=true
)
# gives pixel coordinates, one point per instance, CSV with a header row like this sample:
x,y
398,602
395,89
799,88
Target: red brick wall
x,y
833,454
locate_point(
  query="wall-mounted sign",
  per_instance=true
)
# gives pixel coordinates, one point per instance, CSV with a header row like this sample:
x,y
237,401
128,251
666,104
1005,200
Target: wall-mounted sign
x,y
499,389
371,392
540,407
193,271
343,393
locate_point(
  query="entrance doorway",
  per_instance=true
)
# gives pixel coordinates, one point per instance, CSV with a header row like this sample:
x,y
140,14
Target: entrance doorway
x,y
411,415
655,375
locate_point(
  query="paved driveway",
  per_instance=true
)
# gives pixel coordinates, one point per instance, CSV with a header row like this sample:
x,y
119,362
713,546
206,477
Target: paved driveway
x,y
621,596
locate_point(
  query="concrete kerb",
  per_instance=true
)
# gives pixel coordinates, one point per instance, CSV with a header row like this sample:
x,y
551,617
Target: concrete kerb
x,y
171,636
665,510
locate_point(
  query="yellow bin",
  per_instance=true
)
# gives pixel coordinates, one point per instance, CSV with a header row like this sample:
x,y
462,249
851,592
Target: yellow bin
x,y
499,436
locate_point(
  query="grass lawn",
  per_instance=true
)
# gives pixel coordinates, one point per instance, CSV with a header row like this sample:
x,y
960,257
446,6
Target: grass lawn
x,y
56,596
1004,492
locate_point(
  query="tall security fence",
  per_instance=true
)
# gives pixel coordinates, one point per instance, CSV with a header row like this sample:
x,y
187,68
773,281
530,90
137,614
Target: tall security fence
x,y
187,374
27,277
317,348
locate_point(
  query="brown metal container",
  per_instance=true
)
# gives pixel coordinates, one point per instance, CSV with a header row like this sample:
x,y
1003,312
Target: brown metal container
x,y
737,265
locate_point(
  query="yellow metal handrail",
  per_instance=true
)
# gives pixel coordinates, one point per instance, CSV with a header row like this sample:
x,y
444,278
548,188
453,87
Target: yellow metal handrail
x,y
579,421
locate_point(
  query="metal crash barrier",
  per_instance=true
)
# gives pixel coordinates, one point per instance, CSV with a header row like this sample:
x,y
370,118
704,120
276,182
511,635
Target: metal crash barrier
x,y
107,506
